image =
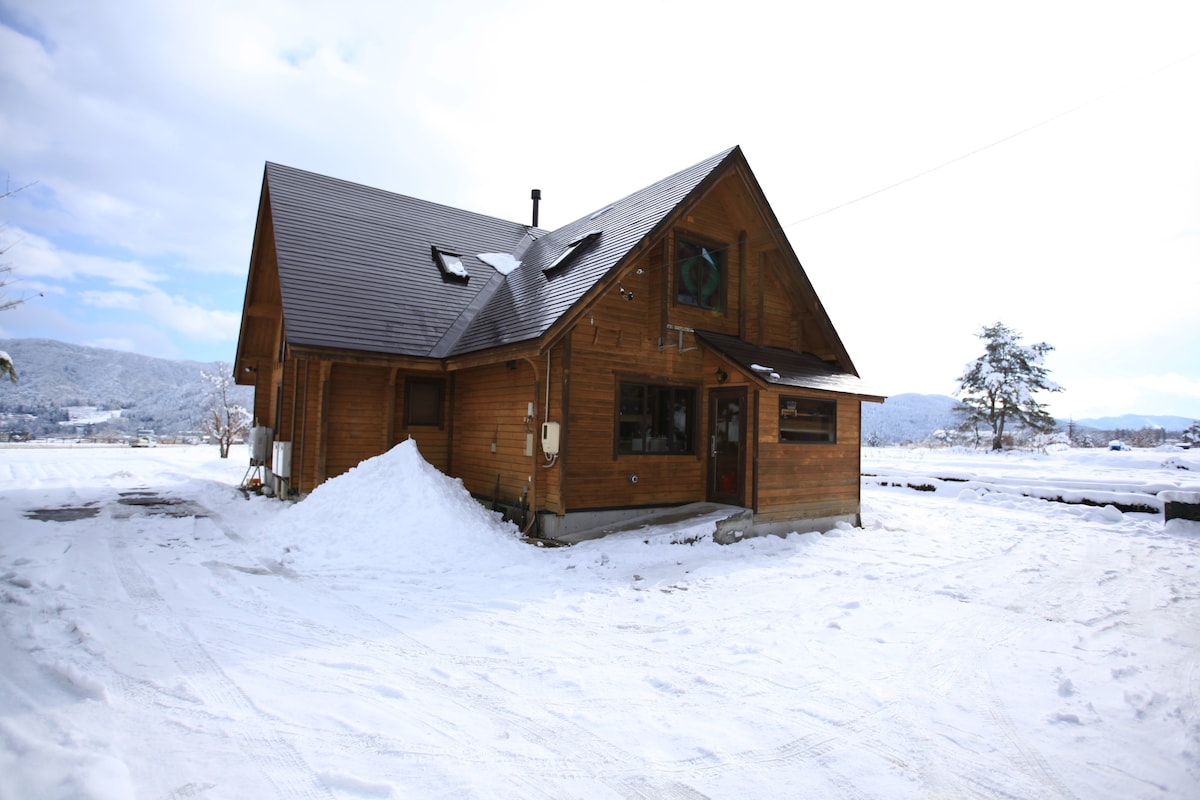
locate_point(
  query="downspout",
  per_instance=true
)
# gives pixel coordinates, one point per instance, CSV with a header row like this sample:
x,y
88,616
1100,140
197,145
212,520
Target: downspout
x,y
550,460
533,467
303,431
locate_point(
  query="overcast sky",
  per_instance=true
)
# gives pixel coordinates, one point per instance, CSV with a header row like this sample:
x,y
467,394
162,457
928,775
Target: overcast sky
x,y
1064,196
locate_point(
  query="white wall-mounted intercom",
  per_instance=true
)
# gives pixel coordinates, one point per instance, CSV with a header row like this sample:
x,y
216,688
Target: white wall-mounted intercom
x,y
550,438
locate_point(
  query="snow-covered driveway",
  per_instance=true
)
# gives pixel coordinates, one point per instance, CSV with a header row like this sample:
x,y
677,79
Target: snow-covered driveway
x,y
388,639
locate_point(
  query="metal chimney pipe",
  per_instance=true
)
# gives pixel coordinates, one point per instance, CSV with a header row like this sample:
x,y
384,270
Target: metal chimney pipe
x,y
535,196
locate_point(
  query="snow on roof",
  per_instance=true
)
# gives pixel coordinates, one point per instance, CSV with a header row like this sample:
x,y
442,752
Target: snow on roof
x,y
501,262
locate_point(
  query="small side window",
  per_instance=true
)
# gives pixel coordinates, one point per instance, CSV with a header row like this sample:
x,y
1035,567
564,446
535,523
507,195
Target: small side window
x,y
803,419
423,401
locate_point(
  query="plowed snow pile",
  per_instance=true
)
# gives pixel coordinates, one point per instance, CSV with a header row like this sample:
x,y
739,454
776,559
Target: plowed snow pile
x,y
394,511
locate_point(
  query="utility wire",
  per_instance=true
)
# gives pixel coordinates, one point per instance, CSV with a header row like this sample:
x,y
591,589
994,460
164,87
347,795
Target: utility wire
x,y
1000,141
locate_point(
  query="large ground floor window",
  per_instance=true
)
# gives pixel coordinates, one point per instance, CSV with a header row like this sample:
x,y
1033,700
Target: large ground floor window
x,y
655,419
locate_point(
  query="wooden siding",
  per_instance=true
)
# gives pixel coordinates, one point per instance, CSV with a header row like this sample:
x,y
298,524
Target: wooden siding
x,y
432,440
490,409
780,316
619,339
807,480
262,316
355,417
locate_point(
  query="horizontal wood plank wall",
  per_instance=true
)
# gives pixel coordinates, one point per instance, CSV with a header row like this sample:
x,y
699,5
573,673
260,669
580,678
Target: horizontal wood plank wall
x,y
620,338
490,407
781,316
356,421
799,480
433,441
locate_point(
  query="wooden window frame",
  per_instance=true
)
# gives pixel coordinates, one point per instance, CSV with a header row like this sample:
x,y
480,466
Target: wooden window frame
x,y
440,385
647,414
719,250
818,408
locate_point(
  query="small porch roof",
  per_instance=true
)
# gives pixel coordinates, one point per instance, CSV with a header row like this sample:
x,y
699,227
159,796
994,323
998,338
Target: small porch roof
x,y
776,366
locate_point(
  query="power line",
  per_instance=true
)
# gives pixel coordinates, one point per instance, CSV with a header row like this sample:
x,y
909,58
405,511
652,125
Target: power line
x,y
990,145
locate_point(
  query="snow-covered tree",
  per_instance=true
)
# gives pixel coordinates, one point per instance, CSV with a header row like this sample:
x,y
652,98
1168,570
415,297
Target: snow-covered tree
x,y
7,367
999,386
1191,434
225,420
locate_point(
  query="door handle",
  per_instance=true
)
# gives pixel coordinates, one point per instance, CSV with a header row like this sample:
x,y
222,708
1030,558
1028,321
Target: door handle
x,y
712,445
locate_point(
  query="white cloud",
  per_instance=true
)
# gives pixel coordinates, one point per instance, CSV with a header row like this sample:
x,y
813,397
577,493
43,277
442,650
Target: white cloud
x,y
114,343
172,313
37,257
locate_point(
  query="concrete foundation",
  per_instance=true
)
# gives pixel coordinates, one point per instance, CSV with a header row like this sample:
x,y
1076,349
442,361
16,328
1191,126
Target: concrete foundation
x,y
732,523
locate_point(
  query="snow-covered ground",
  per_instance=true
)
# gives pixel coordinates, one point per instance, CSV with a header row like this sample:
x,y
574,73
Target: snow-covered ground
x,y
164,637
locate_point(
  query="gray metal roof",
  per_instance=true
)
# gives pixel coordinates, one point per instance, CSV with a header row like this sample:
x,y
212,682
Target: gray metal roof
x,y
355,266
356,269
779,367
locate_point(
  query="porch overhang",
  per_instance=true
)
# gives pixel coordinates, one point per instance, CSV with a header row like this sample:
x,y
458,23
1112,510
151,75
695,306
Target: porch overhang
x,y
775,366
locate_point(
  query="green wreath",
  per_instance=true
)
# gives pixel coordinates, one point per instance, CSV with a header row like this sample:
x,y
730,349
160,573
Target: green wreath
x,y
711,283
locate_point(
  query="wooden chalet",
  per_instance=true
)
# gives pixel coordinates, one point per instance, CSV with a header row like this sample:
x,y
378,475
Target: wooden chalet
x,y
666,349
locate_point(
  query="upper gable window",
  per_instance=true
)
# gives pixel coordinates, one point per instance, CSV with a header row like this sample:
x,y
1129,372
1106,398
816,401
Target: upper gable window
x,y
573,249
699,274
451,265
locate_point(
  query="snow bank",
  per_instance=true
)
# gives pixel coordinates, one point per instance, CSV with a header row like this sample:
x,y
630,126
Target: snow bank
x,y
394,511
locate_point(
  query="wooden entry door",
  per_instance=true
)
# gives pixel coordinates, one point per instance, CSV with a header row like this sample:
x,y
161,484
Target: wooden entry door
x,y
726,449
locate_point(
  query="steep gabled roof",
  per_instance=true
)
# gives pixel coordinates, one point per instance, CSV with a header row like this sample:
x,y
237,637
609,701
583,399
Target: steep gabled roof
x,y
369,270
537,295
356,269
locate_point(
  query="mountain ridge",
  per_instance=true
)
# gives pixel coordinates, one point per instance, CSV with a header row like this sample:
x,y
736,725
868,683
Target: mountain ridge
x,y
169,396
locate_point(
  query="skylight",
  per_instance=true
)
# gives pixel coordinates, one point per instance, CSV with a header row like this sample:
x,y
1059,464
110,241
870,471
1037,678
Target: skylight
x,y
573,249
451,265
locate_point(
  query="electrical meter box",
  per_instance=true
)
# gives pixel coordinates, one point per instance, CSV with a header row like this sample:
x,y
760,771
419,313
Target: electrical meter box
x,y
550,438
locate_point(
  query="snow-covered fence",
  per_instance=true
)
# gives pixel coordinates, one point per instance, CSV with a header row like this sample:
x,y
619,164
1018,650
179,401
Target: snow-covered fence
x,y
1180,505
1144,499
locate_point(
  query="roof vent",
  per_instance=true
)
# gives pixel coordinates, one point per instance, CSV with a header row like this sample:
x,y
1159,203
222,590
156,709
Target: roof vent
x,y
451,264
536,197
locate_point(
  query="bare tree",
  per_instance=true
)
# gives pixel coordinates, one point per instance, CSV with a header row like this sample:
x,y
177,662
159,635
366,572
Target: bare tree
x,y
6,279
225,420
7,367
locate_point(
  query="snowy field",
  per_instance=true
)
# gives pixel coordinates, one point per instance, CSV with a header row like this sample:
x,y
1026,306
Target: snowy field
x,y
162,636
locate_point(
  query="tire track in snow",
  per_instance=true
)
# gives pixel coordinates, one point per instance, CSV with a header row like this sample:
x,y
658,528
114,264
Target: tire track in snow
x,y
278,761
974,637
418,667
